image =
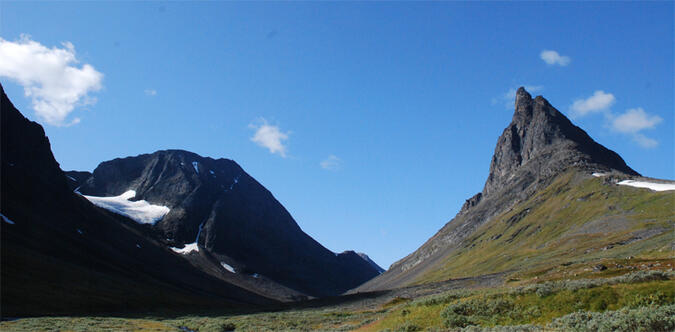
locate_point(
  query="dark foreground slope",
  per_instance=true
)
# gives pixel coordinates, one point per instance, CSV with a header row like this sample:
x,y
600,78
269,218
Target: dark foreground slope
x,y
232,219
61,254
539,149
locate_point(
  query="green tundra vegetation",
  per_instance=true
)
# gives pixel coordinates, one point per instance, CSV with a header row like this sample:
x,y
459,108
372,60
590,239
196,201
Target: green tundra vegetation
x,y
576,220
556,305
638,301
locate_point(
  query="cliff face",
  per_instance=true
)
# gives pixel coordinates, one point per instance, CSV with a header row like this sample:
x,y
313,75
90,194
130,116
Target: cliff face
x,y
539,144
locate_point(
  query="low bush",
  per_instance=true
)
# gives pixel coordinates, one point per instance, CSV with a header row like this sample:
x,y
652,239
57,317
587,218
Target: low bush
x,y
470,312
444,298
643,319
408,327
547,288
650,318
514,328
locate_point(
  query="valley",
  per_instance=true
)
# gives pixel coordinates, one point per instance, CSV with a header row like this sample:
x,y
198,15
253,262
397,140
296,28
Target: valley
x,y
563,236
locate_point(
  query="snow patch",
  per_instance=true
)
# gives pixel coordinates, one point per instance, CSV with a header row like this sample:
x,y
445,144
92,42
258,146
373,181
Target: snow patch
x,y
597,175
227,267
70,177
234,181
187,249
140,211
649,185
5,219
212,172
138,246
255,275
195,166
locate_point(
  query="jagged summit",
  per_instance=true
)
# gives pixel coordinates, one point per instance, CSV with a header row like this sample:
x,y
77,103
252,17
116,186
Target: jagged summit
x,y
522,96
542,142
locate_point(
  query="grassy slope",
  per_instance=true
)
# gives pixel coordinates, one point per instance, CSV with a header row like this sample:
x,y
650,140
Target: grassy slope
x,y
576,220
498,307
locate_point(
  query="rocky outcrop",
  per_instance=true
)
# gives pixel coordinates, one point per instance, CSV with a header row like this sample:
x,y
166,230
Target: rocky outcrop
x,y
539,144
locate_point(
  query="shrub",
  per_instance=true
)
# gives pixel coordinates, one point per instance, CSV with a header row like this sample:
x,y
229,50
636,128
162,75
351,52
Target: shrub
x,y
657,298
408,327
228,327
546,288
446,297
650,318
514,328
469,312
457,320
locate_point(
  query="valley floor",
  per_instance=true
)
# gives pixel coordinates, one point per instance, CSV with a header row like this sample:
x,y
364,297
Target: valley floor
x,y
626,295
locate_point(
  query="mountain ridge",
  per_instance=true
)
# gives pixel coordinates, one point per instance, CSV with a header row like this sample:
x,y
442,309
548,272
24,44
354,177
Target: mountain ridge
x,y
216,207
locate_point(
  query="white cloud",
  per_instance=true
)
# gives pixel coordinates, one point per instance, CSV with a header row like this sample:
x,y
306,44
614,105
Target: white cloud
x,y
645,141
508,98
635,120
332,163
270,137
554,58
50,77
632,122
150,92
598,102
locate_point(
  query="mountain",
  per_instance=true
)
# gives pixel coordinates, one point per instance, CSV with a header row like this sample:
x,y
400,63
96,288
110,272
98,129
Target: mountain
x,y
222,220
371,262
63,255
552,196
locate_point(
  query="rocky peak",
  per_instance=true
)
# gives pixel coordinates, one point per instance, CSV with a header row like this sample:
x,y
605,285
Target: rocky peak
x,y
522,97
219,208
541,142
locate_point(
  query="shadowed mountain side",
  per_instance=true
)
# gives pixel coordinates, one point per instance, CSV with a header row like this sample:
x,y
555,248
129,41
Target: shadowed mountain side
x,y
63,255
217,206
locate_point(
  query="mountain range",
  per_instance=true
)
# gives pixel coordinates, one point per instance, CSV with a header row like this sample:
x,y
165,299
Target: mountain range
x,y
182,231
172,229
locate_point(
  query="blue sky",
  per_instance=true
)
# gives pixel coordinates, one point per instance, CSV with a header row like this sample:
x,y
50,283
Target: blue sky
x,y
370,122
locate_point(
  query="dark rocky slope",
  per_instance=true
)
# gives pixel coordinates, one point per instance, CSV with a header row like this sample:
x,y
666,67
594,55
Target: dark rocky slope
x,y
232,218
63,255
371,262
538,145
